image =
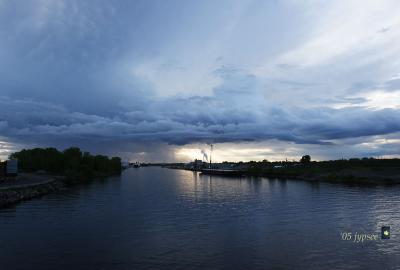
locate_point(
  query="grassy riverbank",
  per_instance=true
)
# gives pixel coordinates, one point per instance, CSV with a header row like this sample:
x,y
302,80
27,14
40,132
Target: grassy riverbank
x,y
357,171
351,171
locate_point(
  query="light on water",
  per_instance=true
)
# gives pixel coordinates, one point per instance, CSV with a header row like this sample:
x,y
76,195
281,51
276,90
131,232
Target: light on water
x,y
155,218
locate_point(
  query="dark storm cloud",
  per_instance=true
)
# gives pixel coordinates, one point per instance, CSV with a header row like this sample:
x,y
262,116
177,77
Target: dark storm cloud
x,y
109,74
182,121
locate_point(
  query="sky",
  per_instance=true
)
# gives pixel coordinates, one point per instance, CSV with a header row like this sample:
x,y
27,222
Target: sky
x,y
158,81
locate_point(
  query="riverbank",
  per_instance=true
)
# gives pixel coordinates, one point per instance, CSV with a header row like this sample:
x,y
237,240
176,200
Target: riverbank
x,y
28,186
360,172
57,169
357,175
352,179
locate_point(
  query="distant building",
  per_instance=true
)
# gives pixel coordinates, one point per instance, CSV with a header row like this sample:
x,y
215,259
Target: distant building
x,y
134,164
12,167
9,168
197,164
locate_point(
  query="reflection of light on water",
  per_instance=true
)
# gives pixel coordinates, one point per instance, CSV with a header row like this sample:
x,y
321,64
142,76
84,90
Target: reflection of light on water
x,y
364,210
356,209
192,185
195,186
163,212
385,212
343,208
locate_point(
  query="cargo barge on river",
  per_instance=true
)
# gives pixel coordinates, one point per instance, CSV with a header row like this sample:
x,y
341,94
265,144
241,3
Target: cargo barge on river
x,y
226,172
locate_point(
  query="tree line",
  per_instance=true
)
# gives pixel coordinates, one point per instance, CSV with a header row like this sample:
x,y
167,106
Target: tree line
x,y
72,163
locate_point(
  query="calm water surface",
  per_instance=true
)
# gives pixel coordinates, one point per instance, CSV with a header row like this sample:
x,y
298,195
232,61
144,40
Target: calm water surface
x,y
155,218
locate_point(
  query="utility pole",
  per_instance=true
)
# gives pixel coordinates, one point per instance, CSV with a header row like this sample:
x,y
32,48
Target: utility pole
x,y
211,146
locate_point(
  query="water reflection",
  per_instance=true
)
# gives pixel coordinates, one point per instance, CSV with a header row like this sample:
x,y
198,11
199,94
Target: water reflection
x,y
154,218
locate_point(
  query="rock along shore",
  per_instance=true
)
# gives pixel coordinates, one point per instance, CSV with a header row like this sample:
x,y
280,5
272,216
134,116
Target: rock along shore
x,y
16,193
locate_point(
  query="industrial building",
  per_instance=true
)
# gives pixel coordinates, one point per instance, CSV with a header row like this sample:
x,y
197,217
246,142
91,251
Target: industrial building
x,y
196,165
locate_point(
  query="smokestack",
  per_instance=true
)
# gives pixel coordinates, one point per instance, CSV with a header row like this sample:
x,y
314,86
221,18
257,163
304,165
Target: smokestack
x,y
211,153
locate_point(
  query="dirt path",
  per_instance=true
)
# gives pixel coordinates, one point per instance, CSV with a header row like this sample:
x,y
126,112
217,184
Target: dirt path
x,y
26,180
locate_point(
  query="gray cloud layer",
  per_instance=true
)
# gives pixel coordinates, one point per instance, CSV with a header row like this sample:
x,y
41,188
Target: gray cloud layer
x,y
122,74
228,115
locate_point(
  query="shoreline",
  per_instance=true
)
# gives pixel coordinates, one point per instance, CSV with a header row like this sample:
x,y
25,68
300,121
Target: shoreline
x,y
344,179
350,179
14,194
35,186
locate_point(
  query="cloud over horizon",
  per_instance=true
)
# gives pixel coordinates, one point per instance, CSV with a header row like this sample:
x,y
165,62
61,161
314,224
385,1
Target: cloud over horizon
x,y
277,76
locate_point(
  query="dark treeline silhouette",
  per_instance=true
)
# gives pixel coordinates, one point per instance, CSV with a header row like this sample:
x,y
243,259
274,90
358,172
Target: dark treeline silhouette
x,y
354,169
72,163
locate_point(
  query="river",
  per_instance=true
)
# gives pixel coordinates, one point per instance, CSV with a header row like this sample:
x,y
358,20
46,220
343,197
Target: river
x,y
156,218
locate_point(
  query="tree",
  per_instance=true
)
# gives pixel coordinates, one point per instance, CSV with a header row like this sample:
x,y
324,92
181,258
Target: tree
x,y
72,158
72,163
305,159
